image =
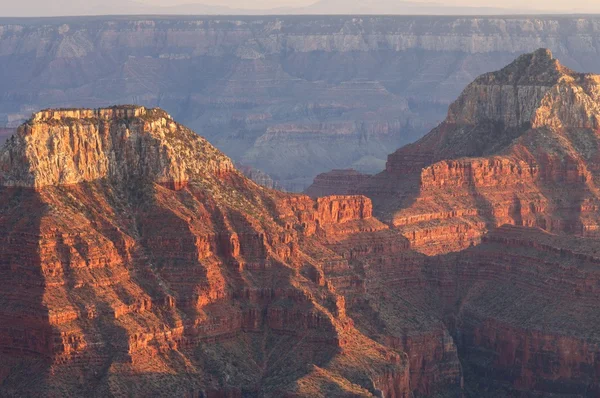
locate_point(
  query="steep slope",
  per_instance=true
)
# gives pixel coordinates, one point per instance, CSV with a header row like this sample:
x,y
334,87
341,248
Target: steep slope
x,y
501,203
135,260
519,146
291,96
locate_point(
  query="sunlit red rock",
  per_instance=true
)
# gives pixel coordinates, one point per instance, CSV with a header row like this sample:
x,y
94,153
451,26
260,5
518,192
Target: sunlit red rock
x,y
519,147
136,260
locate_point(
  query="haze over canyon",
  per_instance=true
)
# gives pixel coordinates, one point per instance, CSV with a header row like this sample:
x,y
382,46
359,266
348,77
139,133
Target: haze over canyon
x,y
278,94
249,206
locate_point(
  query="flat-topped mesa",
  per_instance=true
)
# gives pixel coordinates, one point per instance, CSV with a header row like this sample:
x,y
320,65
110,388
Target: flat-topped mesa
x,y
71,146
115,112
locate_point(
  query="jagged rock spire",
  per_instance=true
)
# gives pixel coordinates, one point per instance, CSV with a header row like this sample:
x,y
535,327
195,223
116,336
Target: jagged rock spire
x,y
510,95
533,92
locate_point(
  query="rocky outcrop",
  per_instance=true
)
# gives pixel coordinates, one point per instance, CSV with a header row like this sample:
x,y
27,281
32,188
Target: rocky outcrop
x,y
514,148
120,143
491,112
278,93
501,201
341,209
135,260
511,96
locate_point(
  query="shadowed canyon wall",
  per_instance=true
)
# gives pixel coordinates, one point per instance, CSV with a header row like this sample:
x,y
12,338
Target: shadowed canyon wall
x,y
499,194
290,96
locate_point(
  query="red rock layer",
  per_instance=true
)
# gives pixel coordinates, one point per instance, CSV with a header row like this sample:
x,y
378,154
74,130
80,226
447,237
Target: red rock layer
x,y
133,284
515,304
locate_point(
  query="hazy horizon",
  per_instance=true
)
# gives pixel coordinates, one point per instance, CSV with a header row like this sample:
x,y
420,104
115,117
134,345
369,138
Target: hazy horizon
x,y
38,8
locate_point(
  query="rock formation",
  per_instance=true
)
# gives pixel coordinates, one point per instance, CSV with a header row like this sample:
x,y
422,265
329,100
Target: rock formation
x,y
501,201
136,260
291,96
518,147
50,150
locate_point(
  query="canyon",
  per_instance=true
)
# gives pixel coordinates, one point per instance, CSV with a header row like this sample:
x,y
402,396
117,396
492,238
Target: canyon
x,y
501,201
278,94
136,259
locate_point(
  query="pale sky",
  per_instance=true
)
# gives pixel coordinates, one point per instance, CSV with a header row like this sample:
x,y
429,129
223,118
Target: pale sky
x,y
554,5
235,3
33,8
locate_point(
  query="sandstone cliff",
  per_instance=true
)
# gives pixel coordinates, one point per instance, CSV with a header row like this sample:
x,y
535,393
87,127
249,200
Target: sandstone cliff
x,y
136,260
501,201
519,147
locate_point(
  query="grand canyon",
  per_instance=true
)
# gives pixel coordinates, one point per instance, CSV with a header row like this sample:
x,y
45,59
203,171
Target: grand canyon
x,y
137,260
277,93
